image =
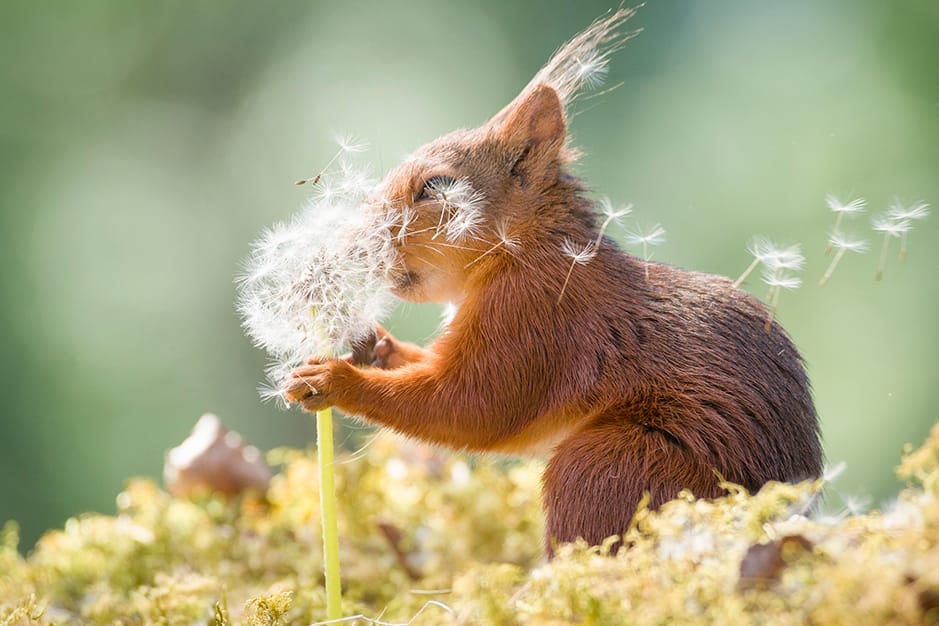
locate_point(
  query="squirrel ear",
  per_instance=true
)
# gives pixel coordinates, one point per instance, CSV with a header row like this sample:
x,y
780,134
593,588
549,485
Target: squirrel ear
x,y
534,124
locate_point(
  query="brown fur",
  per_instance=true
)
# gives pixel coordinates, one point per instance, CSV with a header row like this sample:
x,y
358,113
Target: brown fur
x,y
642,378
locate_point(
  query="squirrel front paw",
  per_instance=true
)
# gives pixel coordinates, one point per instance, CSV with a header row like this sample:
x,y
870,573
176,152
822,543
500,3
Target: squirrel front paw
x,y
318,384
380,349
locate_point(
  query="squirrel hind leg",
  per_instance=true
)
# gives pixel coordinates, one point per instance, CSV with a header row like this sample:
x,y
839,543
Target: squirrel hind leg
x,y
598,476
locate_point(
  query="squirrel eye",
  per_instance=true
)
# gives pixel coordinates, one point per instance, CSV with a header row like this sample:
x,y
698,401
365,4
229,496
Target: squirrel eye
x,y
433,186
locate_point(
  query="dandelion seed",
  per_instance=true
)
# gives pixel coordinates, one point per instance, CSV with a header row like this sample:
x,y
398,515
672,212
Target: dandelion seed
x,y
583,61
504,240
842,244
347,144
653,237
509,241
407,216
612,212
829,474
777,278
853,207
350,143
579,256
461,207
772,256
899,213
591,70
856,505
582,256
890,228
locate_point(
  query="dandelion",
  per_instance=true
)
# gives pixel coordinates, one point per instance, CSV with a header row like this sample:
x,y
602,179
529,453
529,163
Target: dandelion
x,y
583,255
854,207
899,213
842,244
778,278
890,227
313,286
772,256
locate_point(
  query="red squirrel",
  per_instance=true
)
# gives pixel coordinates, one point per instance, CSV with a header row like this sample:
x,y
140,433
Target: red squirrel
x,y
634,377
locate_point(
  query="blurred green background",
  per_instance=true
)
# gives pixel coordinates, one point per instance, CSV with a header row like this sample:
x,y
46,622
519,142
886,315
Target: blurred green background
x,y
144,145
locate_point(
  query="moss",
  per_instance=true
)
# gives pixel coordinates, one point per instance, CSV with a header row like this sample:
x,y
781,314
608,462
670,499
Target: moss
x,y
432,538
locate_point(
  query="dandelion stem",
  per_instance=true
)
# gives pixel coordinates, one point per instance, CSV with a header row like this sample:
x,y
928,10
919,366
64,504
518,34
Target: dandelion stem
x,y
883,257
747,272
324,445
831,266
902,255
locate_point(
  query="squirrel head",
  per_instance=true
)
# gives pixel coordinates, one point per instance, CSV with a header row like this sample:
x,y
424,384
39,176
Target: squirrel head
x,y
465,200
472,199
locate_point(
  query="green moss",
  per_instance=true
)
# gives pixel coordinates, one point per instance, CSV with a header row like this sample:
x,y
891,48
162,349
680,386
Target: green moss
x,y
425,536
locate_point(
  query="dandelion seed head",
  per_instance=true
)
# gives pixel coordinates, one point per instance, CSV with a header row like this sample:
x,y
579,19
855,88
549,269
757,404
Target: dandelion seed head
x,y
325,190
854,206
354,181
314,284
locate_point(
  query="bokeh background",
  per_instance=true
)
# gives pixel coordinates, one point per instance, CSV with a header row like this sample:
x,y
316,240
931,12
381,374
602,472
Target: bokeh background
x,y
144,145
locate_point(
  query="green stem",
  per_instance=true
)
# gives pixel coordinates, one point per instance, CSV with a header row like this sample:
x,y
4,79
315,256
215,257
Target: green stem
x,y
324,445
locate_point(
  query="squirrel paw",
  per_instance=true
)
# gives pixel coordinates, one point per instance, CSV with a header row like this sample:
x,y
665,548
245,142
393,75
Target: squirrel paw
x,y
316,385
381,350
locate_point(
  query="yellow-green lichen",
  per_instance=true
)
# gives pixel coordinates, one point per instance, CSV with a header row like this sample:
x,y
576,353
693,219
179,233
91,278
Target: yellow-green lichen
x,y
430,538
